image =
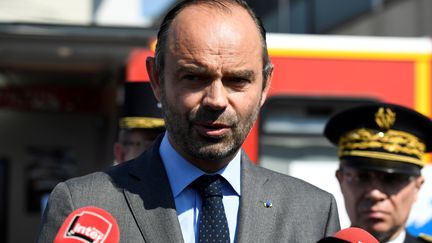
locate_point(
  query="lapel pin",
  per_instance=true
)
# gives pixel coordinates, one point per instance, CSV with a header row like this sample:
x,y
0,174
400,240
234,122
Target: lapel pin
x,y
268,204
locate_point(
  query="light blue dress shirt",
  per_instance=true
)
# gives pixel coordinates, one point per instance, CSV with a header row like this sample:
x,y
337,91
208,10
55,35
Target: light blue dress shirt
x,y
187,200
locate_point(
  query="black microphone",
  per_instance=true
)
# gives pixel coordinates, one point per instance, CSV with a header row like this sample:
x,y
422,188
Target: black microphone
x,y
88,224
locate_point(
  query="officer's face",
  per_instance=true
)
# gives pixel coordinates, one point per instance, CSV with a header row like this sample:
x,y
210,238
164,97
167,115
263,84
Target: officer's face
x,y
378,202
133,143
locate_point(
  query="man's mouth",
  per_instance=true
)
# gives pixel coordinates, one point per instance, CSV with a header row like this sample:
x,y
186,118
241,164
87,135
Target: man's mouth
x,y
212,130
374,214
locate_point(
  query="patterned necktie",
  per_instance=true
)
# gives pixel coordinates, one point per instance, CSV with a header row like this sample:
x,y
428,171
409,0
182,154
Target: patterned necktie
x,y
213,225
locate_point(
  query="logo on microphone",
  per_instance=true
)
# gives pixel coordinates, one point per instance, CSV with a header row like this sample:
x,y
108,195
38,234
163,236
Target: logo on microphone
x,y
88,227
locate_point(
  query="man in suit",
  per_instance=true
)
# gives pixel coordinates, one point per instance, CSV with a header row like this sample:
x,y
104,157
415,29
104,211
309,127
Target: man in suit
x,y
141,122
211,72
380,151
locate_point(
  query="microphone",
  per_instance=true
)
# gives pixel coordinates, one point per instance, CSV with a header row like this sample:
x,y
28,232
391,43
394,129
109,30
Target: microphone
x,y
350,235
89,225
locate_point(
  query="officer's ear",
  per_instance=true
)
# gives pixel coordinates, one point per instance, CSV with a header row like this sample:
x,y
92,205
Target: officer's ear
x,y
419,182
339,175
119,153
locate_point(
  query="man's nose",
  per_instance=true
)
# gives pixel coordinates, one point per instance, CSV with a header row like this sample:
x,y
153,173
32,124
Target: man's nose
x,y
215,96
375,190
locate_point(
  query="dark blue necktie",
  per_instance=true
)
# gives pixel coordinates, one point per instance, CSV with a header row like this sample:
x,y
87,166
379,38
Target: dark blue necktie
x,y
213,225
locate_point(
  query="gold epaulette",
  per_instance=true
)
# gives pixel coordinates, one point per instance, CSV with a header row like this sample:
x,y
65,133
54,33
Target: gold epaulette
x,y
425,237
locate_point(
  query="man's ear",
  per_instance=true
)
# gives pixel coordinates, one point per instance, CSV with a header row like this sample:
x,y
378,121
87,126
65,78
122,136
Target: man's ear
x,y
267,87
419,181
418,184
119,153
339,175
153,75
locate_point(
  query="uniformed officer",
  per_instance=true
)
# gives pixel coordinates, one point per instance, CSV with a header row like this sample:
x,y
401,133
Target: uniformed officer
x,y
380,151
141,121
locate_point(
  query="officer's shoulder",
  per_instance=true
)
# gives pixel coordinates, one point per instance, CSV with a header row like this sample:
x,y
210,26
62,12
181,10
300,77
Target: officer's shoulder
x,y
425,237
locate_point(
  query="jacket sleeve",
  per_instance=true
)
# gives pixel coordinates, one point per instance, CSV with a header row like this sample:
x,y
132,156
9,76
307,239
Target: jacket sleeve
x,y
333,224
58,208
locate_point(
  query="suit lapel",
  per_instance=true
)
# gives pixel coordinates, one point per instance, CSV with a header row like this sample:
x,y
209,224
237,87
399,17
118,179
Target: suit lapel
x,y
254,216
150,199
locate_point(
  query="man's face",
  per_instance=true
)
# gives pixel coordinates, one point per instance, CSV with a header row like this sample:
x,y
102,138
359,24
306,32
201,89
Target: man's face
x,y
378,202
212,85
134,142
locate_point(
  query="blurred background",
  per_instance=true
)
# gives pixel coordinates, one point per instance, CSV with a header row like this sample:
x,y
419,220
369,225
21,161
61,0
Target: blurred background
x,y
63,65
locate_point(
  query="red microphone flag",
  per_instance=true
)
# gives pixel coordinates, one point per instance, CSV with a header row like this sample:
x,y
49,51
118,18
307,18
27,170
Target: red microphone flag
x,y
89,224
354,234
350,235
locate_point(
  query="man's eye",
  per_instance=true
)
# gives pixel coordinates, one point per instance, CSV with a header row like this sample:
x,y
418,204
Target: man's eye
x,y
190,77
397,179
364,177
240,80
237,81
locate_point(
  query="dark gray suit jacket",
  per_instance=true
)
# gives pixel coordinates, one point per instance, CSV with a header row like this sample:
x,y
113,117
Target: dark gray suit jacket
x,y
139,197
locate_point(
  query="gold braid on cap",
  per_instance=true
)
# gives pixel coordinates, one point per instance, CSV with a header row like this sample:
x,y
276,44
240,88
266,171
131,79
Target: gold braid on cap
x,y
141,122
385,144
385,118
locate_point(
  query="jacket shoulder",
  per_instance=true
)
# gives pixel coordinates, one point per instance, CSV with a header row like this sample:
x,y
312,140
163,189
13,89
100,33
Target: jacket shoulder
x,y
289,182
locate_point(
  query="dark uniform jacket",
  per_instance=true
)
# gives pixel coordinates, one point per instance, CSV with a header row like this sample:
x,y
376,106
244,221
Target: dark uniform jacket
x,y
411,239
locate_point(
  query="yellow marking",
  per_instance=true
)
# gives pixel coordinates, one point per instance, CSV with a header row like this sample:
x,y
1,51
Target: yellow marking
x,y
337,54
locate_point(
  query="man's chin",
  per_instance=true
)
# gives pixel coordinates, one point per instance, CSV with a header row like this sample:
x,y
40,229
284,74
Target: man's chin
x,y
377,228
215,151
210,154
381,234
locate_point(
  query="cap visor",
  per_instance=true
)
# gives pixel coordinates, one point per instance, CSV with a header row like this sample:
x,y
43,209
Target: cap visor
x,y
381,165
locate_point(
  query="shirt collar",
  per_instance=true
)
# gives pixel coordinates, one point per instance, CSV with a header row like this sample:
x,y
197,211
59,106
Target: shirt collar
x,y
400,238
181,172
